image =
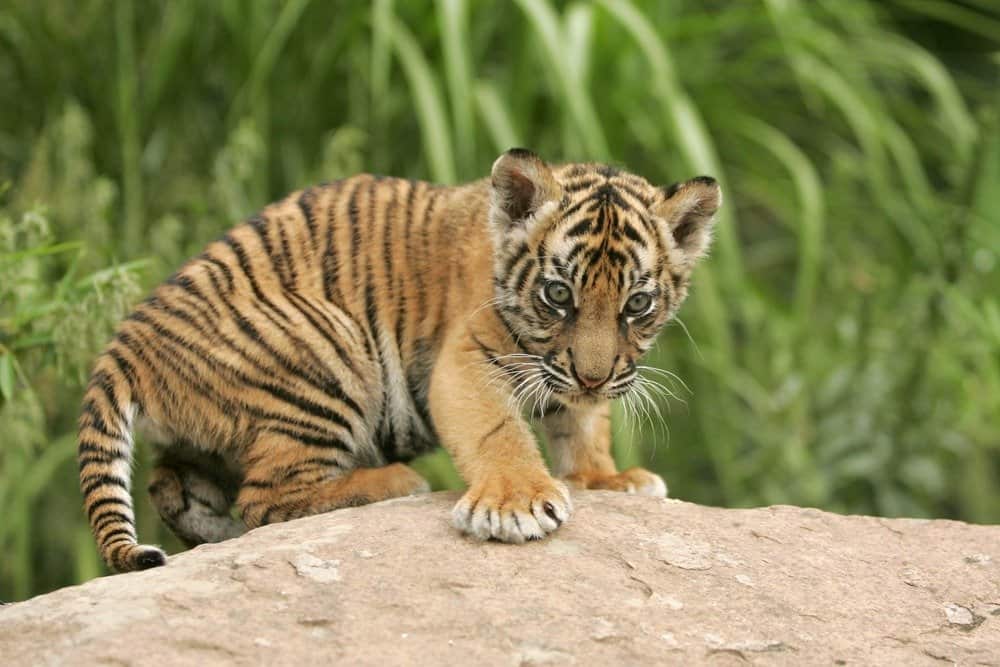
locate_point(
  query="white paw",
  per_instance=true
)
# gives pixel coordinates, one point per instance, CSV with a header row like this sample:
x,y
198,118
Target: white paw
x,y
652,486
634,480
516,512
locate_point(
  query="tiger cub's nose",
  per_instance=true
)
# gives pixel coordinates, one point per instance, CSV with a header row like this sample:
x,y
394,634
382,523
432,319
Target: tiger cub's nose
x,y
589,381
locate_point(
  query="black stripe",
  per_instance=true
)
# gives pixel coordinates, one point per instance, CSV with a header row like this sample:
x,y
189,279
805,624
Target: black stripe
x,y
408,269
106,539
522,276
581,228
513,334
425,236
88,483
583,184
331,265
354,214
493,431
96,421
576,250
119,543
320,461
247,269
127,369
275,390
304,304
288,261
107,385
127,502
307,212
104,519
228,408
176,366
632,235
326,442
86,446
300,344
601,223
642,199
95,459
617,257
385,217
200,301
259,224
513,258
355,236
226,272
634,256
489,354
328,386
315,465
572,210
608,194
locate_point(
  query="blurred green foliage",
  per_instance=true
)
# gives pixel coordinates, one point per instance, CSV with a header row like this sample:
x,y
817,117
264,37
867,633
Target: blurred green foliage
x,y
842,346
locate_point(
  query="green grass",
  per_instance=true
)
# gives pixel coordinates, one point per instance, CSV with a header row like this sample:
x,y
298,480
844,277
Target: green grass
x,y
841,347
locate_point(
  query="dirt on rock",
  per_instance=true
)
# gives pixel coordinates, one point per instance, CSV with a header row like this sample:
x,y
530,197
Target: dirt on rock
x,y
628,581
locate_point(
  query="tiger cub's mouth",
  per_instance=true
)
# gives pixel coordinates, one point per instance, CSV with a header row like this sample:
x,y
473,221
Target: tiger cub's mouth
x,y
563,385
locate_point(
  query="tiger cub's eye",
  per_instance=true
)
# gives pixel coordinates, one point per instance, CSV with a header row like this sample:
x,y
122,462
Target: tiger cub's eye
x,y
558,294
638,303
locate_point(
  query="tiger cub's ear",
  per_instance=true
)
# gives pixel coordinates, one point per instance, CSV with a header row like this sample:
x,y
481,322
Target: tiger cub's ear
x,y
522,184
688,209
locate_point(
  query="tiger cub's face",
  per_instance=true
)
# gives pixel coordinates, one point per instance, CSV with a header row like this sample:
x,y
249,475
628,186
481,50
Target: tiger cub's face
x,y
590,264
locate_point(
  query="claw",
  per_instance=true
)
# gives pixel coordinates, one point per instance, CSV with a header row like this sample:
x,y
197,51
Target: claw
x,y
512,516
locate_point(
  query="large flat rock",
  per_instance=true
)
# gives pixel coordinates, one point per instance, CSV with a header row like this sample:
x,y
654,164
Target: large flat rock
x,y
628,580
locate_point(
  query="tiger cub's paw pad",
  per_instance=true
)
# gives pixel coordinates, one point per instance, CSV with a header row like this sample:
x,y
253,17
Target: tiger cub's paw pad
x,y
515,512
634,480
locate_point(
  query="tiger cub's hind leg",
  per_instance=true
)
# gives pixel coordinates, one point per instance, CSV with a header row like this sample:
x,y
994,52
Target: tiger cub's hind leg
x,y
304,483
193,502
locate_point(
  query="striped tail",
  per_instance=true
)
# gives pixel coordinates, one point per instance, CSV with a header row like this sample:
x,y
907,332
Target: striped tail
x,y
105,458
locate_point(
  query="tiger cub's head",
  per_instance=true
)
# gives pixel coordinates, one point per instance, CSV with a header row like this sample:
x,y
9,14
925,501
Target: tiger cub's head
x,y
590,263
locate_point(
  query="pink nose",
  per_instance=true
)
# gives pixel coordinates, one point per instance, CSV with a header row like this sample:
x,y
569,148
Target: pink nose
x,y
590,381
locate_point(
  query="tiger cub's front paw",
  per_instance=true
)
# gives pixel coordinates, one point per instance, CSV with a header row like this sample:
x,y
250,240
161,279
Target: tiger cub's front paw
x,y
512,510
633,480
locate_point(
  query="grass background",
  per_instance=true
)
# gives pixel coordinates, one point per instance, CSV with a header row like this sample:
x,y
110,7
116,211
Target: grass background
x,y
842,345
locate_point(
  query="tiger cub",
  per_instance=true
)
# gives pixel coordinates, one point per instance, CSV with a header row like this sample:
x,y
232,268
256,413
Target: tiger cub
x,y
297,363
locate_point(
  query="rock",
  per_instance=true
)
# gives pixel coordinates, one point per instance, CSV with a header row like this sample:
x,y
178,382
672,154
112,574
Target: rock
x,y
629,580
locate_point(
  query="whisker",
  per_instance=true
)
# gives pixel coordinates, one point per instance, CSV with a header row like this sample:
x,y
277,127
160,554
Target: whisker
x,y
494,301
633,418
525,389
661,389
667,374
688,334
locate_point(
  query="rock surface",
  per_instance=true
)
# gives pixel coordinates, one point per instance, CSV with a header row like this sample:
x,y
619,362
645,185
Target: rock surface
x,y
629,580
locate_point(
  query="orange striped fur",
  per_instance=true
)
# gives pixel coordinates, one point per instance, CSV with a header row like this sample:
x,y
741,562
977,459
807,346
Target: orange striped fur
x,y
297,363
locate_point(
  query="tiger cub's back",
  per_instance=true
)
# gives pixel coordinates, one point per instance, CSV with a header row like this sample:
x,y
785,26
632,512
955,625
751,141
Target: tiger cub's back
x,y
319,319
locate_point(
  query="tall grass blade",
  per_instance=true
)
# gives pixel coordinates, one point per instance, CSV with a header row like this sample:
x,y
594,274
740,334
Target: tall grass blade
x,y
276,39
810,223
967,19
579,106
429,104
689,129
496,118
128,126
453,21
381,63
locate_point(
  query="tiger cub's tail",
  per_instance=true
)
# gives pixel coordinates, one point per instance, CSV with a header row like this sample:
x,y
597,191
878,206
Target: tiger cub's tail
x,y
105,458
